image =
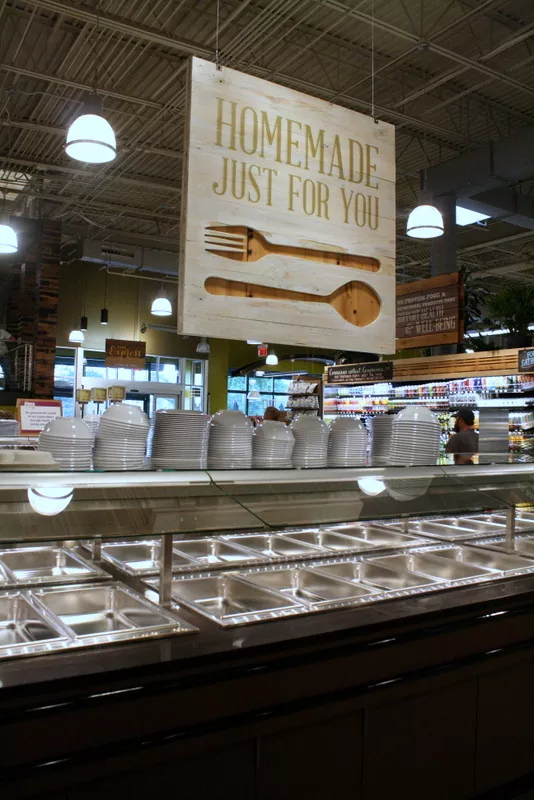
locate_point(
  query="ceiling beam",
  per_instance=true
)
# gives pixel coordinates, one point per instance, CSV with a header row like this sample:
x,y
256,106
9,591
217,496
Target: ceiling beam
x,y
112,208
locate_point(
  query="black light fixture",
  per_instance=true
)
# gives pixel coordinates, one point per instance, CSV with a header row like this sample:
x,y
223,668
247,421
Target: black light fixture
x,y
83,323
103,316
103,311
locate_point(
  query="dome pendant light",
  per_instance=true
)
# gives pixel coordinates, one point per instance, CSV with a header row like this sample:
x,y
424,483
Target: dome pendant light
x,y
76,337
90,137
8,238
272,359
425,222
161,306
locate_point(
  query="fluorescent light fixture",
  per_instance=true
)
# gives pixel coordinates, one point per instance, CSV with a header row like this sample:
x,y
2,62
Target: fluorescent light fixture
x,y
371,486
464,216
91,138
425,222
272,359
50,500
8,239
496,332
253,341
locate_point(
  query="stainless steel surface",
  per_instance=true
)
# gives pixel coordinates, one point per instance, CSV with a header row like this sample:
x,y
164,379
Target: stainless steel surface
x,y
328,541
376,574
213,551
523,543
96,549
142,557
108,613
509,534
165,572
24,629
524,520
229,600
433,566
450,529
46,564
377,536
274,546
484,558
308,586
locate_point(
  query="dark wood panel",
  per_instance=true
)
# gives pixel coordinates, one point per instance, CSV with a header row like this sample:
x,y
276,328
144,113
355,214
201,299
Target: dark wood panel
x,y
505,743
422,747
317,761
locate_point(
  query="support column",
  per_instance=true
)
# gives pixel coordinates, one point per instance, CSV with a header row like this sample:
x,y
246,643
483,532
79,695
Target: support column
x,y
443,251
218,374
47,274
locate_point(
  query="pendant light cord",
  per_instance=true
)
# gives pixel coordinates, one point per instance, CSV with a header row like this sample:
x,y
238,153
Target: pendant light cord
x,y
95,54
217,22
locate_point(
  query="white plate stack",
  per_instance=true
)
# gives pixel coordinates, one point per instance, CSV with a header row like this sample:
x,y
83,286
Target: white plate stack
x,y
381,430
180,440
347,443
272,446
230,441
415,438
121,438
311,442
70,442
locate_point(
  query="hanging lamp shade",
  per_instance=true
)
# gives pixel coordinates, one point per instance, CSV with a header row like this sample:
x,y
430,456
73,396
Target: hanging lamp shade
x,y
425,222
203,346
83,323
104,316
253,395
272,359
8,239
161,307
76,337
91,138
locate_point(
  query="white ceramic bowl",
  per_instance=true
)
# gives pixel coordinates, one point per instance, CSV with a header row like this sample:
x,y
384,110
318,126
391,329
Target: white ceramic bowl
x,y
272,430
416,414
346,424
305,422
125,413
68,428
231,419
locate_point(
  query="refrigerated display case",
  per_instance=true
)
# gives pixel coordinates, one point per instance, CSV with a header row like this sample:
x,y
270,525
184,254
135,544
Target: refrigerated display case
x,y
209,613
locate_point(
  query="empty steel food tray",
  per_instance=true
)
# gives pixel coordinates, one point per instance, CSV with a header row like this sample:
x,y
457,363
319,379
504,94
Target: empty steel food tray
x,y
327,540
501,562
450,529
47,564
108,613
376,536
308,586
524,520
142,557
431,564
26,629
213,551
376,574
229,600
274,545
523,544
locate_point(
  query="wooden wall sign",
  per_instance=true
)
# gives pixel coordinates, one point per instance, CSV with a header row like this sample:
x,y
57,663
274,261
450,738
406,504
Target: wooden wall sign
x,y
373,372
123,353
430,312
526,360
288,226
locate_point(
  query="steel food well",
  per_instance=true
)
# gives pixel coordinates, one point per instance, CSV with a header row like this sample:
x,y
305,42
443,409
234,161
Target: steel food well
x,y
448,529
327,540
433,565
376,536
308,586
142,557
47,564
108,612
524,520
274,545
229,600
501,562
25,629
213,551
376,574
523,544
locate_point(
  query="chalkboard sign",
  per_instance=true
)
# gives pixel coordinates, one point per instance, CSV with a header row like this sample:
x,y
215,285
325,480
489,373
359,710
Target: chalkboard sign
x,y
429,312
526,360
348,374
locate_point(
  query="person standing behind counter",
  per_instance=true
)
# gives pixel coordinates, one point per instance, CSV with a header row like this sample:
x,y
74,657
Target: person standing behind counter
x,y
463,444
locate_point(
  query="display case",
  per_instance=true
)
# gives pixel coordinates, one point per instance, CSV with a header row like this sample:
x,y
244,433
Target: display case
x,y
155,581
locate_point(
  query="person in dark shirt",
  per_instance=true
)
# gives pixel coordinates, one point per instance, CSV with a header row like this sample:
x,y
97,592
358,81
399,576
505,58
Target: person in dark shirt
x,y
272,413
463,444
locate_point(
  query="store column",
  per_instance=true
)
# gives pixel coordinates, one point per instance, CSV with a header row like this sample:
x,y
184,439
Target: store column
x,y
443,251
219,359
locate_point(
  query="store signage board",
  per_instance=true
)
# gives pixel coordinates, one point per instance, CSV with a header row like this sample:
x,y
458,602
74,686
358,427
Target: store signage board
x,y
271,169
34,415
430,312
350,374
124,353
526,360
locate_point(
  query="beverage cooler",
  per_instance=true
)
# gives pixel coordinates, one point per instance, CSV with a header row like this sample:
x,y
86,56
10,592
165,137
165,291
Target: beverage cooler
x,y
267,634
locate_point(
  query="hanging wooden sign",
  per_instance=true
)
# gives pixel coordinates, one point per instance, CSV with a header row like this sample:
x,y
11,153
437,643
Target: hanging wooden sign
x,y
124,353
526,360
430,312
288,226
349,374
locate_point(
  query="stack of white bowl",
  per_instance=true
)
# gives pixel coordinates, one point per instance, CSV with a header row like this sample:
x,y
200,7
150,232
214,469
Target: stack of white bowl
x,y
70,441
272,446
415,437
121,438
347,443
230,441
311,442
180,439
381,430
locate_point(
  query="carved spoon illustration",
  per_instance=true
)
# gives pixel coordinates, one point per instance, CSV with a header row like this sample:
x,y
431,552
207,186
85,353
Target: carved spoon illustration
x,y
355,301
240,243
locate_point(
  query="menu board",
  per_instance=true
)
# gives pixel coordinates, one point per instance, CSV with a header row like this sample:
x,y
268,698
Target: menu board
x,y
349,374
288,217
430,312
526,360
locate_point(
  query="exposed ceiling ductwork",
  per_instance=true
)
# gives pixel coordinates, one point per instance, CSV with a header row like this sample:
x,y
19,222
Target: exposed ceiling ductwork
x,y
130,256
483,179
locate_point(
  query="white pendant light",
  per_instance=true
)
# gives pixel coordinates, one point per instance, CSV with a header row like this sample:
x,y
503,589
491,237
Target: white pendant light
x,y
259,373
90,137
50,500
425,222
76,337
253,395
161,307
203,346
8,239
272,359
